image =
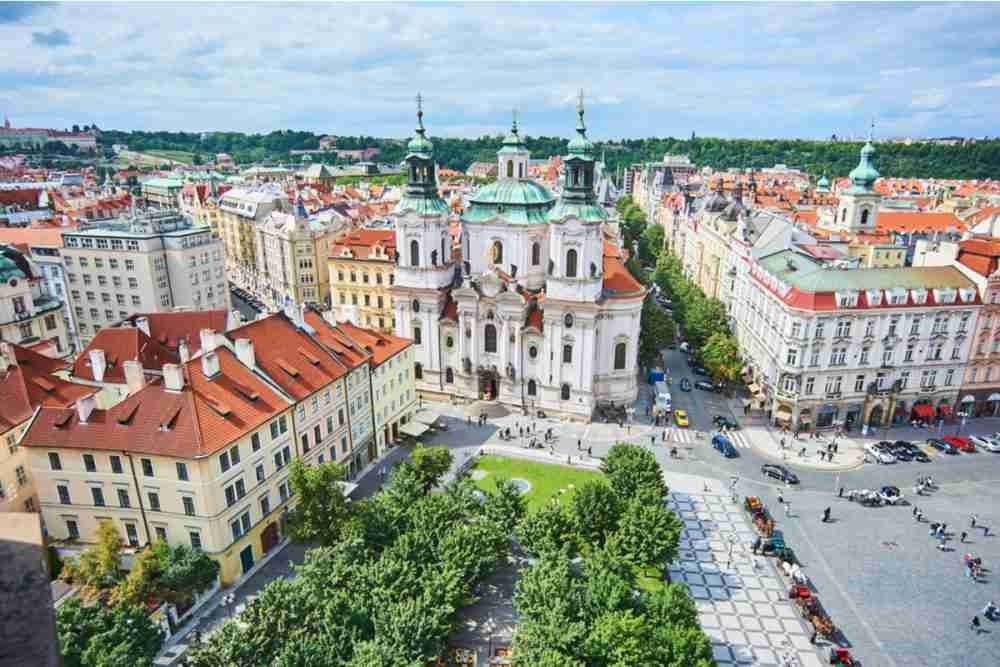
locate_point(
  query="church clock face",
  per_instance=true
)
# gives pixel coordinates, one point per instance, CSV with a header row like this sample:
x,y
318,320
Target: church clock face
x,y
568,320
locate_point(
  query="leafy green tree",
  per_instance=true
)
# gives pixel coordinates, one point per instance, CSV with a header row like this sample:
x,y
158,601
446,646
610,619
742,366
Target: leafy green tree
x,y
655,333
547,530
505,505
721,355
431,464
93,636
323,511
594,511
651,243
649,532
671,605
623,638
633,471
547,598
98,569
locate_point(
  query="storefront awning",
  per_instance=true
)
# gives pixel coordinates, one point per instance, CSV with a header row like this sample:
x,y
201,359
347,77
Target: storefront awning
x,y
994,397
944,409
783,413
968,398
924,410
427,417
413,428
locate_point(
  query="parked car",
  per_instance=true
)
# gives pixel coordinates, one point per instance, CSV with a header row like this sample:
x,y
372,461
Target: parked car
x,y
878,454
941,445
700,370
901,453
681,418
960,442
915,452
724,445
778,472
890,495
705,385
989,444
722,421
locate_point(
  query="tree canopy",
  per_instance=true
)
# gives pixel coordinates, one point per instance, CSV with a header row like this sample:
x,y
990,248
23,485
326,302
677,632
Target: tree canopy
x,y
95,636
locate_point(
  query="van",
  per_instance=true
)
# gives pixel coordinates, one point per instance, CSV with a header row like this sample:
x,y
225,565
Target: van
x,y
663,401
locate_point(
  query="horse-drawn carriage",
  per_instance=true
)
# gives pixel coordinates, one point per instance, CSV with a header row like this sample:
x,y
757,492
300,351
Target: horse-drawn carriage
x,y
611,412
761,519
811,610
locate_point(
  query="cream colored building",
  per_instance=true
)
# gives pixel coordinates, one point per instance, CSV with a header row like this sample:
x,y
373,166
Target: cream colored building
x,y
28,314
292,253
198,457
362,265
155,262
240,212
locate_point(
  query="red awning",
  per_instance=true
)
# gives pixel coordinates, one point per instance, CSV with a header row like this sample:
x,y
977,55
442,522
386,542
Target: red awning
x,y
924,410
944,409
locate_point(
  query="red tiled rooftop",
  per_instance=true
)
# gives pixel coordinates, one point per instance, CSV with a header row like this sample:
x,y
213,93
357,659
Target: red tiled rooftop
x,y
31,383
382,346
905,221
121,344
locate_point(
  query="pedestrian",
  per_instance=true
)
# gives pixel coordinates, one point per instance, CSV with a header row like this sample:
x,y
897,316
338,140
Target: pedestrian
x,y
826,515
975,624
782,442
914,510
986,531
840,494
781,499
579,445
664,436
788,508
589,453
972,521
961,538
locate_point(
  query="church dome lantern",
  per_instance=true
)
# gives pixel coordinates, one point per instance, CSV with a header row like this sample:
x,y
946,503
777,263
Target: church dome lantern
x,y
863,176
578,199
421,193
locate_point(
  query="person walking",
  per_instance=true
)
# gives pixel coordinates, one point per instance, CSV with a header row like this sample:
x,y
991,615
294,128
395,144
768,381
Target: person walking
x,y
579,444
972,521
975,624
961,538
826,515
589,453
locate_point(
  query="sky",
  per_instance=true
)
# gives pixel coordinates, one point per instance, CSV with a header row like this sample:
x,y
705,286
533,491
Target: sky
x,y
716,69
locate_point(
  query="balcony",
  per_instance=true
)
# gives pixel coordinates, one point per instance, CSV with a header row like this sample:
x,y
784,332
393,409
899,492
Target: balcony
x,y
928,389
833,394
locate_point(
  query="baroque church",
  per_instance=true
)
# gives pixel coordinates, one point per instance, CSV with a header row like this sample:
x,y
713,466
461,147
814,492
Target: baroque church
x,y
533,305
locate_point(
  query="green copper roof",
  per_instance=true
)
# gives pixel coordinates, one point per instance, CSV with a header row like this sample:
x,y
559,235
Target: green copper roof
x,y
422,205
585,211
514,201
580,145
513,143
9,269
809,275
863,176
419,144
823,182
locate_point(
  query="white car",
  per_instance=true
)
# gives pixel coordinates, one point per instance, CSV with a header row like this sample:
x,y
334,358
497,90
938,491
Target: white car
x,y
989,444
877,455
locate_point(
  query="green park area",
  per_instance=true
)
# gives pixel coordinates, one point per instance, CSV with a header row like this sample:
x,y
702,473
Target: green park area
x,y
547,480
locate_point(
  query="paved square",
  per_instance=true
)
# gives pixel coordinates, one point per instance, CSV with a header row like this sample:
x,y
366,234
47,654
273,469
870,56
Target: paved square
x,y
740,604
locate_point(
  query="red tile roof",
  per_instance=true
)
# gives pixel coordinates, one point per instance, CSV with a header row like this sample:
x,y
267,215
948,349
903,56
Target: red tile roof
x,y
347,351
618,282
171,327
31,383
980,254
382,346
47,236
905,221
289,356
360,242
121,344
204,417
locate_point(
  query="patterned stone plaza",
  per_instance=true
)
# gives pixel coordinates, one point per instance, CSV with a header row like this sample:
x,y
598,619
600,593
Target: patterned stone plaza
x,y
742,601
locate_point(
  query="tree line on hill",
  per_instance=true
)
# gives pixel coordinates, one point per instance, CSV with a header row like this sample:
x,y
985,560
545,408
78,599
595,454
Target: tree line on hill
x,y
833,158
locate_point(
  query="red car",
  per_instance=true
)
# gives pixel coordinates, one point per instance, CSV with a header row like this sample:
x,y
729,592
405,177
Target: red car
x,y
960,442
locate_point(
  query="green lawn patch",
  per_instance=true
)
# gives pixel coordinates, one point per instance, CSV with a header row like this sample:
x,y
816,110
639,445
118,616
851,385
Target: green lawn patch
x,y
547,480
179,156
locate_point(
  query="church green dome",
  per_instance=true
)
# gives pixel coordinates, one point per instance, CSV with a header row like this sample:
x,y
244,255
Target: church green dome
x,y
420,144
823,182
515,201
863,176
9,269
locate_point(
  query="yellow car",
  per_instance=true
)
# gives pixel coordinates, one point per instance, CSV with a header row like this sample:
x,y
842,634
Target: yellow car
x,y
681,417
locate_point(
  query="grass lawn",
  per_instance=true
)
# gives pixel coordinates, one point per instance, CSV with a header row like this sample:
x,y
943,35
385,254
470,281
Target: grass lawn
x,y
179,156
546,479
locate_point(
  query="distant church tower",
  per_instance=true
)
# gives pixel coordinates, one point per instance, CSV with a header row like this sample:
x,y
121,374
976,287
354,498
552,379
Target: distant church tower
x,y
859,203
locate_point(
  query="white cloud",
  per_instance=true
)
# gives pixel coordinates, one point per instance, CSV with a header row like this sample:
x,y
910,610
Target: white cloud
x,y
991,82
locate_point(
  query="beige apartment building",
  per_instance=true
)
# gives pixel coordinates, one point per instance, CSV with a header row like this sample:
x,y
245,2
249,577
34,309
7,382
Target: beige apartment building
x,y
156,262
28,314
199,456
292,252
362,264
241,210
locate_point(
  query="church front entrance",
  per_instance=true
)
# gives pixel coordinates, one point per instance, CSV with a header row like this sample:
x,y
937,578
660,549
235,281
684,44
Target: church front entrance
x,y
489,384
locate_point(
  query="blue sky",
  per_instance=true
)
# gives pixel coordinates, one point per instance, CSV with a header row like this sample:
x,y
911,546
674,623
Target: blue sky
x,y
719,69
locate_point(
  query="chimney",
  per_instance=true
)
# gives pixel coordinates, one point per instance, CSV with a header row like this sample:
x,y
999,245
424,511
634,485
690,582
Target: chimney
x,y
85,406
207,341
173,377
244,352
142,322
234,318
210,364
98,364
8,355
184,351
133,376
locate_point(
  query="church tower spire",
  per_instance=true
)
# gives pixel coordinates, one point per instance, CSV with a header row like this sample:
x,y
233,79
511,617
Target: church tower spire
x,y
421,191
513,156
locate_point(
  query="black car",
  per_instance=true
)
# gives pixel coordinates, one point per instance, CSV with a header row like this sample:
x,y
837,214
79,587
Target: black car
x,y
915,452
941,445
722,421
780,473
900,453
700,370
705,385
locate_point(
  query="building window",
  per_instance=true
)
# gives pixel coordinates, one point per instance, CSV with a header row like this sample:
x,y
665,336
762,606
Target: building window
x,y
887,356
949,377
497,252
123,498
418,371
843,329
567,354
255,442
417,336
154,501
414,253
161,533
182,472
859,383
195,540
536,253
72,529
147,468
88,463
449,375
571,263
63,494
810,385
792,357
620,350
132,534
564,392
490,338
188,503
98,495
904,379
532,388
54,461
224,464
265,505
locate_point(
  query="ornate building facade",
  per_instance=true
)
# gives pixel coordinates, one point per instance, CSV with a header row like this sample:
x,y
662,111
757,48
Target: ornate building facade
x,y
535,308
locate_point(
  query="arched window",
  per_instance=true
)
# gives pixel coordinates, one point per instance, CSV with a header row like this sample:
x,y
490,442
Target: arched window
x,y
449,375
843,214
444,253
510,169
418,371
416,306
864,217
414,253
620,356
571,263
490,338
565,392
536,253
576,176
532,388
520,170
497,252
567,353
417,336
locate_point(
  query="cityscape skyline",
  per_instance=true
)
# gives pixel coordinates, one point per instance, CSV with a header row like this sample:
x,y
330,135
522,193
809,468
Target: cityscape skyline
x,y
725,70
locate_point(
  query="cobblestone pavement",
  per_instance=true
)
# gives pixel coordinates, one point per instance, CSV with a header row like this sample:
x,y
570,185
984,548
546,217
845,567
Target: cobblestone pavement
x,y
742,602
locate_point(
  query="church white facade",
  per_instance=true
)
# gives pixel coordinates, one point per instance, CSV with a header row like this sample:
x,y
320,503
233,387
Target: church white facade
x,y
535,308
